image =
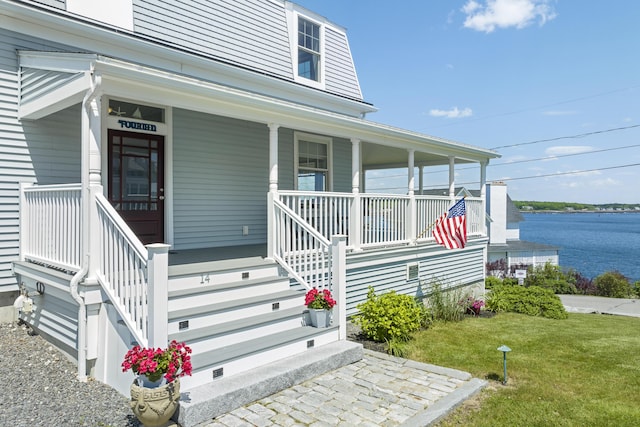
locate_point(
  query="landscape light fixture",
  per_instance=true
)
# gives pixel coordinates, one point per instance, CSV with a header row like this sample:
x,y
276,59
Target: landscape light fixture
x,y
504,349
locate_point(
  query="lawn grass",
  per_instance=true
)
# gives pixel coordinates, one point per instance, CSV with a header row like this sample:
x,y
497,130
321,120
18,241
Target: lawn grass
x,y
583,371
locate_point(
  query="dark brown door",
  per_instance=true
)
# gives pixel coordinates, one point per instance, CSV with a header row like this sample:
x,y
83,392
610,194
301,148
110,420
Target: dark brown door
x,y
136,182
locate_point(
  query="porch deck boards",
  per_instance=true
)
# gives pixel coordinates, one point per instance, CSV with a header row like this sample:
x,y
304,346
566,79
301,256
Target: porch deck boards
x,y
224,253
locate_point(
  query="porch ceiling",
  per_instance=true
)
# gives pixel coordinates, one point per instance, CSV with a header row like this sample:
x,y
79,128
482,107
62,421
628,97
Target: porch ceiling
x,y
375,156
385,146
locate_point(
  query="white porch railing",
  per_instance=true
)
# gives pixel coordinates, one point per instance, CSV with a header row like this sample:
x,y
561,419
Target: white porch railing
x,y
123,270
327,213
50,223
133,276
301,249
384,219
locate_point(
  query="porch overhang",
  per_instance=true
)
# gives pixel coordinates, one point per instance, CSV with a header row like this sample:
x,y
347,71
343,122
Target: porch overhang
x,y
51,82
146,84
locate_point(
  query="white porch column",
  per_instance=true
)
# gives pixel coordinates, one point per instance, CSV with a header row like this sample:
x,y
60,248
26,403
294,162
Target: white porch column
x,y
273,187
411,209
95,143
421,180
452,179
355,225
95,185
483,196
273,156
158,293
339,281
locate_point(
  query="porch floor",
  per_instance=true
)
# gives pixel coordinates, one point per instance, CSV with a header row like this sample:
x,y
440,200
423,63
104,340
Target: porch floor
x,y
224,253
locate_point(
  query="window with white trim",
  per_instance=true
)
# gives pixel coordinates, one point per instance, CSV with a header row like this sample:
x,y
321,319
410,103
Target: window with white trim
x,y
309,56
313,163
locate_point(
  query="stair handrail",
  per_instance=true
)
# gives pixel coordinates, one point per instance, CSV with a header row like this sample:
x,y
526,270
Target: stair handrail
x,y
123,270
308,262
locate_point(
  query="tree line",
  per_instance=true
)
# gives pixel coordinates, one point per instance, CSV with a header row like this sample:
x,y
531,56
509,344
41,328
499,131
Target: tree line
x,y
563,206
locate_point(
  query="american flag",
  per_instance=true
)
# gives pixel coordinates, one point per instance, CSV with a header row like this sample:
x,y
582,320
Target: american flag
x,y
451,228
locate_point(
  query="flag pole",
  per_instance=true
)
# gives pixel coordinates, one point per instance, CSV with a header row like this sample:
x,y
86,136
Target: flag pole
x,y
434,222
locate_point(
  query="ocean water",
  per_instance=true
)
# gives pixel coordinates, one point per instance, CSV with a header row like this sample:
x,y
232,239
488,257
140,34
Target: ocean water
x,y
590,243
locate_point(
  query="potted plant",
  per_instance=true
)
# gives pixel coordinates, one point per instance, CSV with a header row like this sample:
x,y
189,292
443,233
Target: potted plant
x,y
156,391
319,304
471,305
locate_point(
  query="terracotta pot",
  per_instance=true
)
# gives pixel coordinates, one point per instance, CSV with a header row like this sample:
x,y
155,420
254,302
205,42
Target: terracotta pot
x,y
320,318
154,406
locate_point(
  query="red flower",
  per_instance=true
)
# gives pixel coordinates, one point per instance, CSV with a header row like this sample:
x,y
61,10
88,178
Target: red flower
x,y
173,362
319,300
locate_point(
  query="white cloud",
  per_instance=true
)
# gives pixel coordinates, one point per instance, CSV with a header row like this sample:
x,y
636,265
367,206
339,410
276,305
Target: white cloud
x,y
516,158
580,173
506,13
453,113
562,150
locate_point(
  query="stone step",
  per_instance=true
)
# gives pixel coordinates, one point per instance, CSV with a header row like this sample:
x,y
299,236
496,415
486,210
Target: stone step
x,y
205,402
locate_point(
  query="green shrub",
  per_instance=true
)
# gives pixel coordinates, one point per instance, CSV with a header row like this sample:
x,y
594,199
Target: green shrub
x,y
491,281
510,281
444,305
390,317
636,288
551,277
533,301
613,284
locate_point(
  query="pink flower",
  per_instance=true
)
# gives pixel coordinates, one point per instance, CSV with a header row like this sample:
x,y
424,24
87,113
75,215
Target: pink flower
x,y
172,362
319,300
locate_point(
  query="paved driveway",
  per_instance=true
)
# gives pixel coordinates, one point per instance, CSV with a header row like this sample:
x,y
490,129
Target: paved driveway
x,y
591,304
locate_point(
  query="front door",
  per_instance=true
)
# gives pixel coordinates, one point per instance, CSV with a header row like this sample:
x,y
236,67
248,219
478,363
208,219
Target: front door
x,y
136,182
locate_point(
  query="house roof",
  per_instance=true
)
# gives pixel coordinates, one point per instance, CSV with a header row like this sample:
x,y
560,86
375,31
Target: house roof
x,y
88,35
513,214
522,246
80,73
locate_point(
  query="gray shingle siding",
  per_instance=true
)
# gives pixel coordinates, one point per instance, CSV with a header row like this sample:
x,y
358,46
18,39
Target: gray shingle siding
x,y
51,156
386,271
220,180
58,4
251,33
339,69
248,33
36,83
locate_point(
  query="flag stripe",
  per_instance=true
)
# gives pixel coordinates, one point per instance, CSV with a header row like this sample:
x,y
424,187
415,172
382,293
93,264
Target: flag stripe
x,y
451,228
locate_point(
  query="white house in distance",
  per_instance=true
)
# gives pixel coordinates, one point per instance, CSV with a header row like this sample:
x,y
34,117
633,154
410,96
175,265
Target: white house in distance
x,y
186,170
504,233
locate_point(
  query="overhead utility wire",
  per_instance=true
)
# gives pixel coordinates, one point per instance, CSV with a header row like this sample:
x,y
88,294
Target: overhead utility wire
x,y
515,162
559,173
560,155
581,135
527,177
510,113
570,173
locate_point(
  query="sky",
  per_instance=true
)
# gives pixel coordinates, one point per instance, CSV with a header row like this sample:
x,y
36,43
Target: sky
x,y
552,85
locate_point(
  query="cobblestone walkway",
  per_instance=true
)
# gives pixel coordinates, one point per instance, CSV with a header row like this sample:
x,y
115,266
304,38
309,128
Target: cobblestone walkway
x,y
379,390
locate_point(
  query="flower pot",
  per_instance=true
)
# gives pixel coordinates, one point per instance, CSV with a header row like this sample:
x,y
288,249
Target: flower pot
x,y
475,311
154,406
320,318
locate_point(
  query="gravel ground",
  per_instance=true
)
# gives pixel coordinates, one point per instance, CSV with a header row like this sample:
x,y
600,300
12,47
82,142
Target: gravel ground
x,y
38,387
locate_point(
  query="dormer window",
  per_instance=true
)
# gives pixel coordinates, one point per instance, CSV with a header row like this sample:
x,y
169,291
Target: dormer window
x,y
308,50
